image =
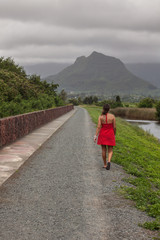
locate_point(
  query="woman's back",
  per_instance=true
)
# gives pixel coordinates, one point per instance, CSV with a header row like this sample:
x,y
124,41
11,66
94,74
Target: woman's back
x,y
110,118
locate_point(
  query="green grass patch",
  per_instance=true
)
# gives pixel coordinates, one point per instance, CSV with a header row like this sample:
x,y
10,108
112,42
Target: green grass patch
x,y
139,154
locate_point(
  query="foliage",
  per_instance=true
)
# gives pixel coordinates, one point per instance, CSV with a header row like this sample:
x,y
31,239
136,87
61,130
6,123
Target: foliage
x,y
80,100
113,103
158,110
146,103
118,99
138,152
9,65
90,100
74,101
20,93
63,95
155,225
87,100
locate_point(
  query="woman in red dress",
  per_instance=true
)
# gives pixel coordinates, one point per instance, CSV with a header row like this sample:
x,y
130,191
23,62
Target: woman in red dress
x,y
107,130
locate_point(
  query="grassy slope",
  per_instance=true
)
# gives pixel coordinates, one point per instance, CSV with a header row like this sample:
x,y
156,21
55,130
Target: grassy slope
x,y
138,152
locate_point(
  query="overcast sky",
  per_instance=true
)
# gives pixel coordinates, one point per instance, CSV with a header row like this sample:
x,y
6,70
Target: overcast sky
x,y
37,31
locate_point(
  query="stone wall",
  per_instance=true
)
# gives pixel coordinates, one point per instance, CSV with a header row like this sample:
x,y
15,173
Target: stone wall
x,y
12,128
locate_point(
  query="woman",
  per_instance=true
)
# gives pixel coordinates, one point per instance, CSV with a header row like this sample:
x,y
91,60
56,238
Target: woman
x,y
107,131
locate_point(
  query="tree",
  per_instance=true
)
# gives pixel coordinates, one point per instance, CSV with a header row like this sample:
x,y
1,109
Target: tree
x,y
118,99
74,101
9,65
21,93
118,102
80,100
63,95
146,103
95,99
158,110
90,100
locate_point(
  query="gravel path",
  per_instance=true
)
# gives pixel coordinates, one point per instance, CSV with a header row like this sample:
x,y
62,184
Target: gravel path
x,y
62,192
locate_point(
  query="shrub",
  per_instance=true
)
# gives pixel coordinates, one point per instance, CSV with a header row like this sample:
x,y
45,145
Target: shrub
x,y
74,101
90,100
9,65
158,110
20,93
146,103
112,103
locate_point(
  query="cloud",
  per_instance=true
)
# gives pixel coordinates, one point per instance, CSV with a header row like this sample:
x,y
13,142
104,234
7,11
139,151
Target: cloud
x,y
58,30
131,14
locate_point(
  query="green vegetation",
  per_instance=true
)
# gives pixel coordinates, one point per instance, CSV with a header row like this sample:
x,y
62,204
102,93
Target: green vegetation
x,y
86,100
128,110
114,103
158,110
90,100
138,152
20,93
146,103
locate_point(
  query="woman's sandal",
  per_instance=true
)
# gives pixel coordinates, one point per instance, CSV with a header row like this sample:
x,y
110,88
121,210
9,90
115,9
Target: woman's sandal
x,y
108,166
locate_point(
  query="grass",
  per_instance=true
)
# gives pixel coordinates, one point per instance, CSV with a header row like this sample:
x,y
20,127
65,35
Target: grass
x,y
139,154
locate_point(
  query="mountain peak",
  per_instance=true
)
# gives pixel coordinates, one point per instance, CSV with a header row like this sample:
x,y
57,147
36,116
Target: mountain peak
x,y
80,59
101,57
96,54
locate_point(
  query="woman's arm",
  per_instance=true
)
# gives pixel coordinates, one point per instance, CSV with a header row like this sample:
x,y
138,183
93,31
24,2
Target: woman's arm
x,y
114,125
98,128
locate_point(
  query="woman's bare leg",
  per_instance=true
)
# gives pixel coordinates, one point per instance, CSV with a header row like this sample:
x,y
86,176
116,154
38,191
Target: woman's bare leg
x,y
104,154
110,153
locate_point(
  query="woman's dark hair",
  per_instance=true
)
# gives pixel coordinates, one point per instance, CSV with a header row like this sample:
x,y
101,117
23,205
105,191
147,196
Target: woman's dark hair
x,y
106,108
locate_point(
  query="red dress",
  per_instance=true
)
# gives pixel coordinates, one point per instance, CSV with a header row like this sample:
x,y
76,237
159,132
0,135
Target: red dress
x,y
106,134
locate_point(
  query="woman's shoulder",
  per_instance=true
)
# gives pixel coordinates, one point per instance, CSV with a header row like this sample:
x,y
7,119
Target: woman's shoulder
x,y
100,116
111,115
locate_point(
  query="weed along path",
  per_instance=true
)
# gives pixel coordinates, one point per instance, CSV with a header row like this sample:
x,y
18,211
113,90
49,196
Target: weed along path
x,y
62,192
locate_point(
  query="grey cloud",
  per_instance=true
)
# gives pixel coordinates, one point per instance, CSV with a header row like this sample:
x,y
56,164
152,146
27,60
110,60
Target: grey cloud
x,y
126,14
40,35
58,30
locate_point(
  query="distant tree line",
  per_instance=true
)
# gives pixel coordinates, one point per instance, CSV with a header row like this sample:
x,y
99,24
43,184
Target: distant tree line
x,y
116,102
87,100
94,100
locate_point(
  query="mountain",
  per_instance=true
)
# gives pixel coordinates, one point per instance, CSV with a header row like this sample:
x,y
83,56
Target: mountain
x,y
148,71
99,74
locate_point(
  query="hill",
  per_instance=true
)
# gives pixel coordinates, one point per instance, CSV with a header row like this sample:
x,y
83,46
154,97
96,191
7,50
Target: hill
x,y
148,71
99,74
